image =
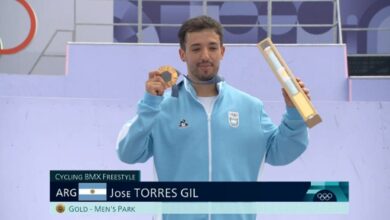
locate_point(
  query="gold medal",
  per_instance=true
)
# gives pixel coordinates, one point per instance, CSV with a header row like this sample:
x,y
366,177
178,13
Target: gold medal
x,y
169,74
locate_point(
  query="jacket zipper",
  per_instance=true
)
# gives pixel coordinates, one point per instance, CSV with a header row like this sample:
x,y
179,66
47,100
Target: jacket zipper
x,y
209,136
209,133
209,146
209,143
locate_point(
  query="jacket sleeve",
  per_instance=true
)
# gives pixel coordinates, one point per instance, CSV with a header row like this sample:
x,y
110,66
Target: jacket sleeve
x,y
286,142
135,143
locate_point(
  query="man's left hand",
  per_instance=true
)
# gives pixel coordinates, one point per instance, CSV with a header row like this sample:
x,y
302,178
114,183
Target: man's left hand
x,y
287,99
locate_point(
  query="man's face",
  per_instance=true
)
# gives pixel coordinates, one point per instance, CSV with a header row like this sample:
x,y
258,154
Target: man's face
x,y
203,52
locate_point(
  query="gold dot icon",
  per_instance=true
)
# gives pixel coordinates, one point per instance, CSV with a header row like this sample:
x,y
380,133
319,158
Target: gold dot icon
x,y
60,208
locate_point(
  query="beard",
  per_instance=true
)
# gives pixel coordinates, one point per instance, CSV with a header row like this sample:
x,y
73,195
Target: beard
x,y
204,71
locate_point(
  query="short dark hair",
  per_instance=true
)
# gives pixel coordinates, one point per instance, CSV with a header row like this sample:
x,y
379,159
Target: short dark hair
x,y
196,24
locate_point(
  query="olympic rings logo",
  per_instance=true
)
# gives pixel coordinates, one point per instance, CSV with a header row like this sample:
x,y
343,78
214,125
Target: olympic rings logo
x,y
325,196
31,33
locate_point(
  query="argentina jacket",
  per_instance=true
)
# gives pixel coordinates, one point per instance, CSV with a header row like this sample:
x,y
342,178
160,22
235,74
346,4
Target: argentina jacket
x,y
231,144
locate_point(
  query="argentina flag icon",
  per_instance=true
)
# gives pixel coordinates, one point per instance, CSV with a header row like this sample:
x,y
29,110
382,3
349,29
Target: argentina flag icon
x,y
92,191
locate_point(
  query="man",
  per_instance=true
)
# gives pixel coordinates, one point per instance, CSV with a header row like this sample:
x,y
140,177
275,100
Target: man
x,y
210,131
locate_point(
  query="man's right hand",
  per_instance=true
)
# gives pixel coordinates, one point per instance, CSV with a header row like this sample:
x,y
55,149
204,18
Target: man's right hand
x,y
155,85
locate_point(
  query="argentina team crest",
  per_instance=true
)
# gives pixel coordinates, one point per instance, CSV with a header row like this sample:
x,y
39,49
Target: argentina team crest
x,y
234,119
